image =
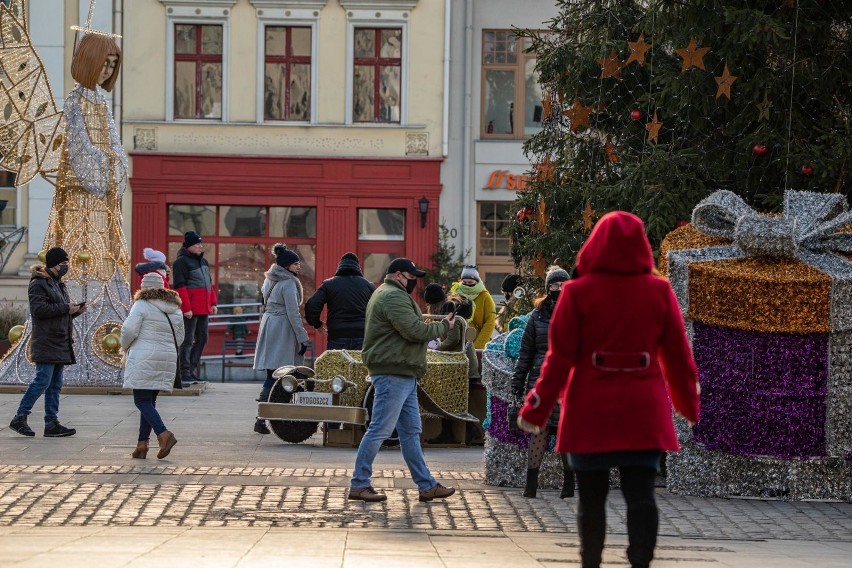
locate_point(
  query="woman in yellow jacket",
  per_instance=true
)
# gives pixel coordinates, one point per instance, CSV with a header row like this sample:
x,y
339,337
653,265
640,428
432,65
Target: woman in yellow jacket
x,y
484,311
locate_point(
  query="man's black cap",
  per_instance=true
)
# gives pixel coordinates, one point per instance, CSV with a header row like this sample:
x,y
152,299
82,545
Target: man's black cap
x,y
405,265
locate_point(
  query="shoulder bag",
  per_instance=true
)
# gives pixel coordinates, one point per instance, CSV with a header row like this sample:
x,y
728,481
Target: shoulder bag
x,y
177,382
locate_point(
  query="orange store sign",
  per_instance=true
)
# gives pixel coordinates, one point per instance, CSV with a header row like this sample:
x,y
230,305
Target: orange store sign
x,y
502,179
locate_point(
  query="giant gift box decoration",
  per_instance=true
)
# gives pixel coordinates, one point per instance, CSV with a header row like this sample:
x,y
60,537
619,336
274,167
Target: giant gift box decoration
x,y
768,305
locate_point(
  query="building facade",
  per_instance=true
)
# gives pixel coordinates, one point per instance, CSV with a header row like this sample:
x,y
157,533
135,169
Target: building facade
x,y
495,106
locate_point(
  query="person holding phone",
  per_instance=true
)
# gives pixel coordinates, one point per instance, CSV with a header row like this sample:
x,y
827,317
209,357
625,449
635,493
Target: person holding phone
x,y
51,343
618,354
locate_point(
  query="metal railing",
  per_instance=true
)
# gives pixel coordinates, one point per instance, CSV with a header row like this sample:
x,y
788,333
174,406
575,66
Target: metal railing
x,y
251,314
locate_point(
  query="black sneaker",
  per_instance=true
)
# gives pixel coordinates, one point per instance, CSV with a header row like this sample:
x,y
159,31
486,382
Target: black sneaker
x,y
19,425
57,430
261,428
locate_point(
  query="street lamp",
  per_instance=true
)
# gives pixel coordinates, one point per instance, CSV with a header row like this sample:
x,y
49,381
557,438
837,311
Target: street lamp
x,y
424,208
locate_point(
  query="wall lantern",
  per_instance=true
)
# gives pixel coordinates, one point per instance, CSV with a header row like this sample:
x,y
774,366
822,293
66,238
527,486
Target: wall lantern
x,y
424,208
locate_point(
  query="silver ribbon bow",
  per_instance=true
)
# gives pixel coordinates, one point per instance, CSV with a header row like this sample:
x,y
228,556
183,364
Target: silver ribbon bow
x,y
809,222
806,231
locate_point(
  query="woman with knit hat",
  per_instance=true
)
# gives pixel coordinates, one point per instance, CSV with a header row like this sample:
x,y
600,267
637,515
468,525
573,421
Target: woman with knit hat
x,y
484,315
527,369
155,261
282,339
150,337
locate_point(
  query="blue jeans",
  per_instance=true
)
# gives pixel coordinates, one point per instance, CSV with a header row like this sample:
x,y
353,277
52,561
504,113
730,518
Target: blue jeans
x,y
395,405
146,401
354,343
48,381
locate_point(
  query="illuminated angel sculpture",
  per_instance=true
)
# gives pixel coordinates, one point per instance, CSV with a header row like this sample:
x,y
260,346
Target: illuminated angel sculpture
x,y
78,150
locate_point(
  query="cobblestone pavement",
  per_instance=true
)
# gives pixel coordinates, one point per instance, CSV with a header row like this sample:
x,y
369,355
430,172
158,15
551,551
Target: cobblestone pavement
x,y
302,497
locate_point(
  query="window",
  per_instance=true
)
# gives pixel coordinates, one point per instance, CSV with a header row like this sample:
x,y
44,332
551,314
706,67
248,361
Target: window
x,y
381,224
238,243
198,70
511,93
8,199
377,75
287,73
493,254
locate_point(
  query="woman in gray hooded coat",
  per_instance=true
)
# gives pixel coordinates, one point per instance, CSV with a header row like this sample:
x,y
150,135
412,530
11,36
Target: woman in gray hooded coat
x,y
282,339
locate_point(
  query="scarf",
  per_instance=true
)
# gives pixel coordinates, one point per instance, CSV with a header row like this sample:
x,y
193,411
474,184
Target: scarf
x,y
469,292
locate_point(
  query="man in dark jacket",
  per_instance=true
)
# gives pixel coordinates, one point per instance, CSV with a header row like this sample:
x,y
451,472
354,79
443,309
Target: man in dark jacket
x,y
192,282
51,343
345,295
395,355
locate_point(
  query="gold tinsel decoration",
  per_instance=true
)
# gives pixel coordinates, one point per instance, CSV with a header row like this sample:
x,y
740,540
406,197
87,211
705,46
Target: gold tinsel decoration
x,y
101,345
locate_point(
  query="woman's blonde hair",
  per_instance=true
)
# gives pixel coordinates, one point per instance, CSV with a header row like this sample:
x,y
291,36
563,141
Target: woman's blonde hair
x,y
89,59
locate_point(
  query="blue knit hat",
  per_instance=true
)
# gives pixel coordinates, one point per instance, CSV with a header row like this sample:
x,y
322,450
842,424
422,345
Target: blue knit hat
x,y
190,238
284,257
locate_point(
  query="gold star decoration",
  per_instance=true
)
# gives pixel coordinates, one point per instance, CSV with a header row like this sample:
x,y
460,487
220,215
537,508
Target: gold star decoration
x,y
545,169
693,56
764,107
653,129
588,216
637,50
578,115
546,105
610,66
724,83
542,218
539,266
610,152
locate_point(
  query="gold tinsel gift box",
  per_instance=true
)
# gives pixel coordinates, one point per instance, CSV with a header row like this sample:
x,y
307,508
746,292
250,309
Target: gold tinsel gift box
x,y
445,380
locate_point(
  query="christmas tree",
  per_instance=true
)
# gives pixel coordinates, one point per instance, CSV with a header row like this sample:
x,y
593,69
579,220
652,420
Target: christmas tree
x,y
650,106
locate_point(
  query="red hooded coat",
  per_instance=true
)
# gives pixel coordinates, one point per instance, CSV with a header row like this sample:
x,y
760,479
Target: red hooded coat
x,y
618,310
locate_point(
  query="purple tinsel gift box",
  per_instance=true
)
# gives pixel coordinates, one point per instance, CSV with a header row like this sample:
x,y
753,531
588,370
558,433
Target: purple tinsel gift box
x,y
762,393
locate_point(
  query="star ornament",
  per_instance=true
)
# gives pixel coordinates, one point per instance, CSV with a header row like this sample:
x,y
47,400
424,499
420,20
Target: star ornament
x,y
610,66
545,169
653,129
588,216
763,108
692,55
724,82
578,115
638,49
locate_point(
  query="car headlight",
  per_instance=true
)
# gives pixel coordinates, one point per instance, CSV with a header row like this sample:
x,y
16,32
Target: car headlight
x,y
289,383
339,384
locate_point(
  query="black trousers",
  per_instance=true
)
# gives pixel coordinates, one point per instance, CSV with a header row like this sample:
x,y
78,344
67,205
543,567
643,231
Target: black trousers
x,y
637,485
194,340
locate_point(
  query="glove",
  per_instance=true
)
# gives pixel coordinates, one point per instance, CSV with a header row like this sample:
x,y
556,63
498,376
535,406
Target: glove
x,y
512,418
303,349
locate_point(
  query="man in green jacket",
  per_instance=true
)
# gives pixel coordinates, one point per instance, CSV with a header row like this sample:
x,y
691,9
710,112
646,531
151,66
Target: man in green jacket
x,y
394,351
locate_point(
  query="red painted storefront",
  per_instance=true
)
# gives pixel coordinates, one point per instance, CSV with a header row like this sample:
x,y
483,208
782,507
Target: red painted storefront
x,y
336,187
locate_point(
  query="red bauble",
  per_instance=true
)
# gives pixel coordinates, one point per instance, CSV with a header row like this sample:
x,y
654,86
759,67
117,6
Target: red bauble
x,y
759,149
524,214
807,170
636,114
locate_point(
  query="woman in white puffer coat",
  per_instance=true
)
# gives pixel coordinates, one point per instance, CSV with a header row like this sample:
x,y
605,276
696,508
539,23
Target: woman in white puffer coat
x,y
150,343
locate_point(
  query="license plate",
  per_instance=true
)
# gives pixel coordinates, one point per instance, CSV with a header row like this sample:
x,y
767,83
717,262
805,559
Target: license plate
x,y
320,398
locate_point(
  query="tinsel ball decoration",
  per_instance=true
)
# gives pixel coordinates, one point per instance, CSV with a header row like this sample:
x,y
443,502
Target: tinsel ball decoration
x,y
759,149
512,347
42,256
636,114
519,322
111,343
15,333
83,256
807,170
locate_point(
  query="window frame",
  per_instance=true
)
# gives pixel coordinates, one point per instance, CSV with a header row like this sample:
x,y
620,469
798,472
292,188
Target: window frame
x,y
199,59
296,14
390,19
206,12
519,68
377,62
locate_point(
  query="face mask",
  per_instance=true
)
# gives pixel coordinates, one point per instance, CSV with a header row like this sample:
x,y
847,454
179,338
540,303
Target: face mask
x,y
553,295
410,285
63,270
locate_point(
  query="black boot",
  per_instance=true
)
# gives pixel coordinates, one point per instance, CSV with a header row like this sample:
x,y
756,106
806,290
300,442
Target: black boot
x,y
567,479
532,483
19,425
260,427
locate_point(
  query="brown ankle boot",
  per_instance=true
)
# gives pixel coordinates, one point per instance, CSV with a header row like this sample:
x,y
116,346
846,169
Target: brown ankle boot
x,y
141,450
167,441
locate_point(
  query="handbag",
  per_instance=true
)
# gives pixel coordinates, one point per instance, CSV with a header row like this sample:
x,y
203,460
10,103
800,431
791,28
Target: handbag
x,y
177,382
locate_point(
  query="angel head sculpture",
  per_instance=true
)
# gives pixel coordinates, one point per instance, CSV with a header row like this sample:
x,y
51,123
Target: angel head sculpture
x,y
97,61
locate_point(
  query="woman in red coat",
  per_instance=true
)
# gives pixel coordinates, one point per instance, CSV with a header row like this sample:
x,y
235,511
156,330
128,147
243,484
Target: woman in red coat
x,y
619,357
